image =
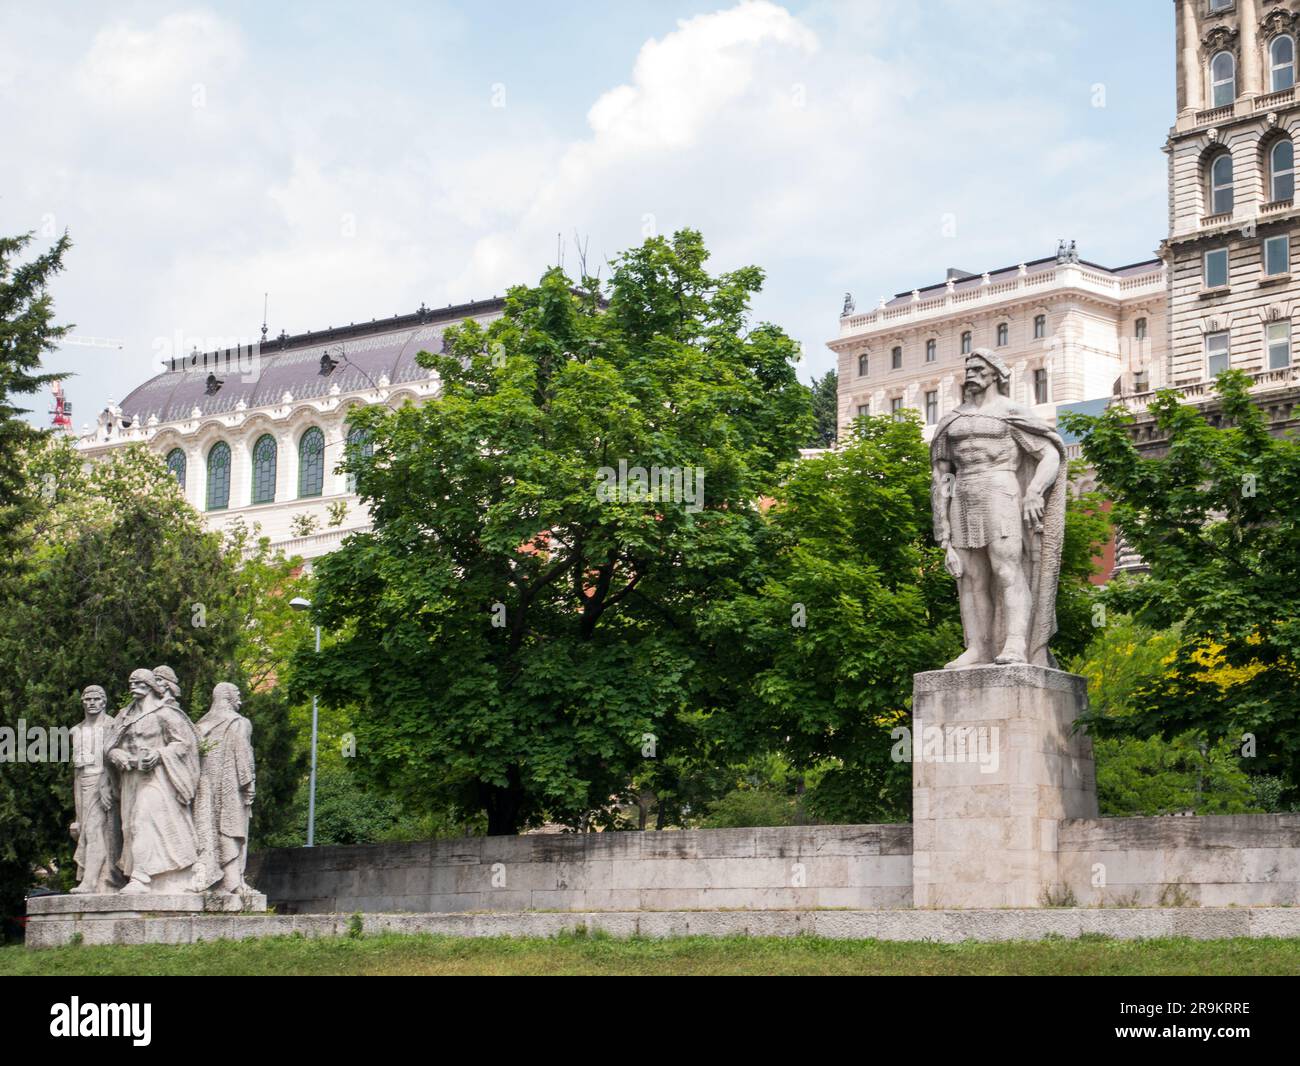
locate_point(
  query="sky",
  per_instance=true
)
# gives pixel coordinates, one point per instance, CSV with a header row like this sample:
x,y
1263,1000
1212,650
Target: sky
x,y
355,160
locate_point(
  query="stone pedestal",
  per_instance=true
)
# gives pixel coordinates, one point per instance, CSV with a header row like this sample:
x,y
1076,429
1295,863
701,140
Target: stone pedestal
x,y
114,918
996,765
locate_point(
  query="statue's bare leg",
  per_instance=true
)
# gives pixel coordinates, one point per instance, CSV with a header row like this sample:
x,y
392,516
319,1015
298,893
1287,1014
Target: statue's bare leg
x,y
1010,584
973,591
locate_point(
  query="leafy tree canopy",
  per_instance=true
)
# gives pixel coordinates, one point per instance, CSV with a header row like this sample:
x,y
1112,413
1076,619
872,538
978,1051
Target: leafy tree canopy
x,y
521,622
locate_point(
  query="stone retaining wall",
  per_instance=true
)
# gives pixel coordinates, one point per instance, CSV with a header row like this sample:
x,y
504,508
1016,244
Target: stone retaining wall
x,y
1220,861
946,927
858,866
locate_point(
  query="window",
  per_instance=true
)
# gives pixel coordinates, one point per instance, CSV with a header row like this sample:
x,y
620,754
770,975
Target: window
x,y
1040,327
264,456
311,463
1220,5
1221,184
862,366
864,409
1216,353
1140,381
896,408
1040,386
1216,268
1277,255
176,466
219,477
1223,79
1140,329
360,446
1004,333
1279,345
1281,54
931,408
931,350
1281,170
896,359
966,343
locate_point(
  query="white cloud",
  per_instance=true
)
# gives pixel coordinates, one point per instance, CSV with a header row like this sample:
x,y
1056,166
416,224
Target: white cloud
x,y
825,147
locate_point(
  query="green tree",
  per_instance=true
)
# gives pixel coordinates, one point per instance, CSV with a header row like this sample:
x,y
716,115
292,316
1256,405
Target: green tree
x,y
119,575
27,332
1215,519
855,601
515,627
825,406
1152,775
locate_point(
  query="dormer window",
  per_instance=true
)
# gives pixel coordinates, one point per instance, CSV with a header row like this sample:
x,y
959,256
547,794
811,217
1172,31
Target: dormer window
x,y
327,363
1223,79
1281,55
213,385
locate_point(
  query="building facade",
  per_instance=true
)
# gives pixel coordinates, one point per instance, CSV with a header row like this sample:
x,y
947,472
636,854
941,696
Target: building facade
x,y
1232,209
255,434
1070,330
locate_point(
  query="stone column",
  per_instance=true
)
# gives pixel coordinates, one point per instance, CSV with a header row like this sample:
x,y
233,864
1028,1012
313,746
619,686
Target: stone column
x,y
995,767
1251,82
1189,57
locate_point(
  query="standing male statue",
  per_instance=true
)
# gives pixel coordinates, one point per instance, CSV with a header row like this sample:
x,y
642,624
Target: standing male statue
x,y
96,830
153,751
225,797
998,492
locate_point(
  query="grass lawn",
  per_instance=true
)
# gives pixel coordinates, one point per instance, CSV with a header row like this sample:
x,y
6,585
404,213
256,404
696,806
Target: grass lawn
x,y
570,954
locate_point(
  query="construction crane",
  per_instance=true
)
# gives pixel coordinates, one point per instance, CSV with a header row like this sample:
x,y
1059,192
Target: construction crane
x,y
92,342
62,411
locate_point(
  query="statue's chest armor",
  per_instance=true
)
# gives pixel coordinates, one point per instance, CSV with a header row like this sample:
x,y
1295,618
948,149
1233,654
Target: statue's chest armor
x,y
977,428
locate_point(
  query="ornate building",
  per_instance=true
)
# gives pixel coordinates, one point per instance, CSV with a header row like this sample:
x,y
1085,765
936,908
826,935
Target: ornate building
x,y
1069,329
1232,209
256,433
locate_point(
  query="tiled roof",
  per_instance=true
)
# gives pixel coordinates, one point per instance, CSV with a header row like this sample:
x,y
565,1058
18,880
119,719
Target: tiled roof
x,y
362,353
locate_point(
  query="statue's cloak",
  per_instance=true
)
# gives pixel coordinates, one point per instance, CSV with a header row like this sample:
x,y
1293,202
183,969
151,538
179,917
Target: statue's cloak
x,y
1041,557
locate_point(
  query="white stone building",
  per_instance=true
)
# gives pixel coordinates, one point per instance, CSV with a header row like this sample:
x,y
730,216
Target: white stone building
x,y
1070,330
256,433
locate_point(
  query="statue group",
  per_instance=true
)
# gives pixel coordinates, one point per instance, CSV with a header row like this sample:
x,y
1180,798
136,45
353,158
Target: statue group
x,y
162,803
998,488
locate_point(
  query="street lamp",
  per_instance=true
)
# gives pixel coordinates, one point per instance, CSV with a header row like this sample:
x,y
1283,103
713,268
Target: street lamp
x,y
299,604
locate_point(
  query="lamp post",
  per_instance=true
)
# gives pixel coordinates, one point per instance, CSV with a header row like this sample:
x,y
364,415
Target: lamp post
x,y
299,604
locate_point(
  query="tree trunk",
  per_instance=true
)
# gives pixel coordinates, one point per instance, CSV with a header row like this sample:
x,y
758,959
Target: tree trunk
x,y
504,806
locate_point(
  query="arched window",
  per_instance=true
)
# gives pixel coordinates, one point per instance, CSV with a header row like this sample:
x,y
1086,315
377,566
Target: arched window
x,y
1040,327
1221,184
264,456
311,463
1281,55
360,446
966,340
1004,334
176,466
1281,170
931,350
1223,79
219,476
862,366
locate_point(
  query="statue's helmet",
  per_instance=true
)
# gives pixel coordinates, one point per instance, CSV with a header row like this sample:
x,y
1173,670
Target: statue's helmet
x,y
225,694
150,679
167,675
996,364
94,690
